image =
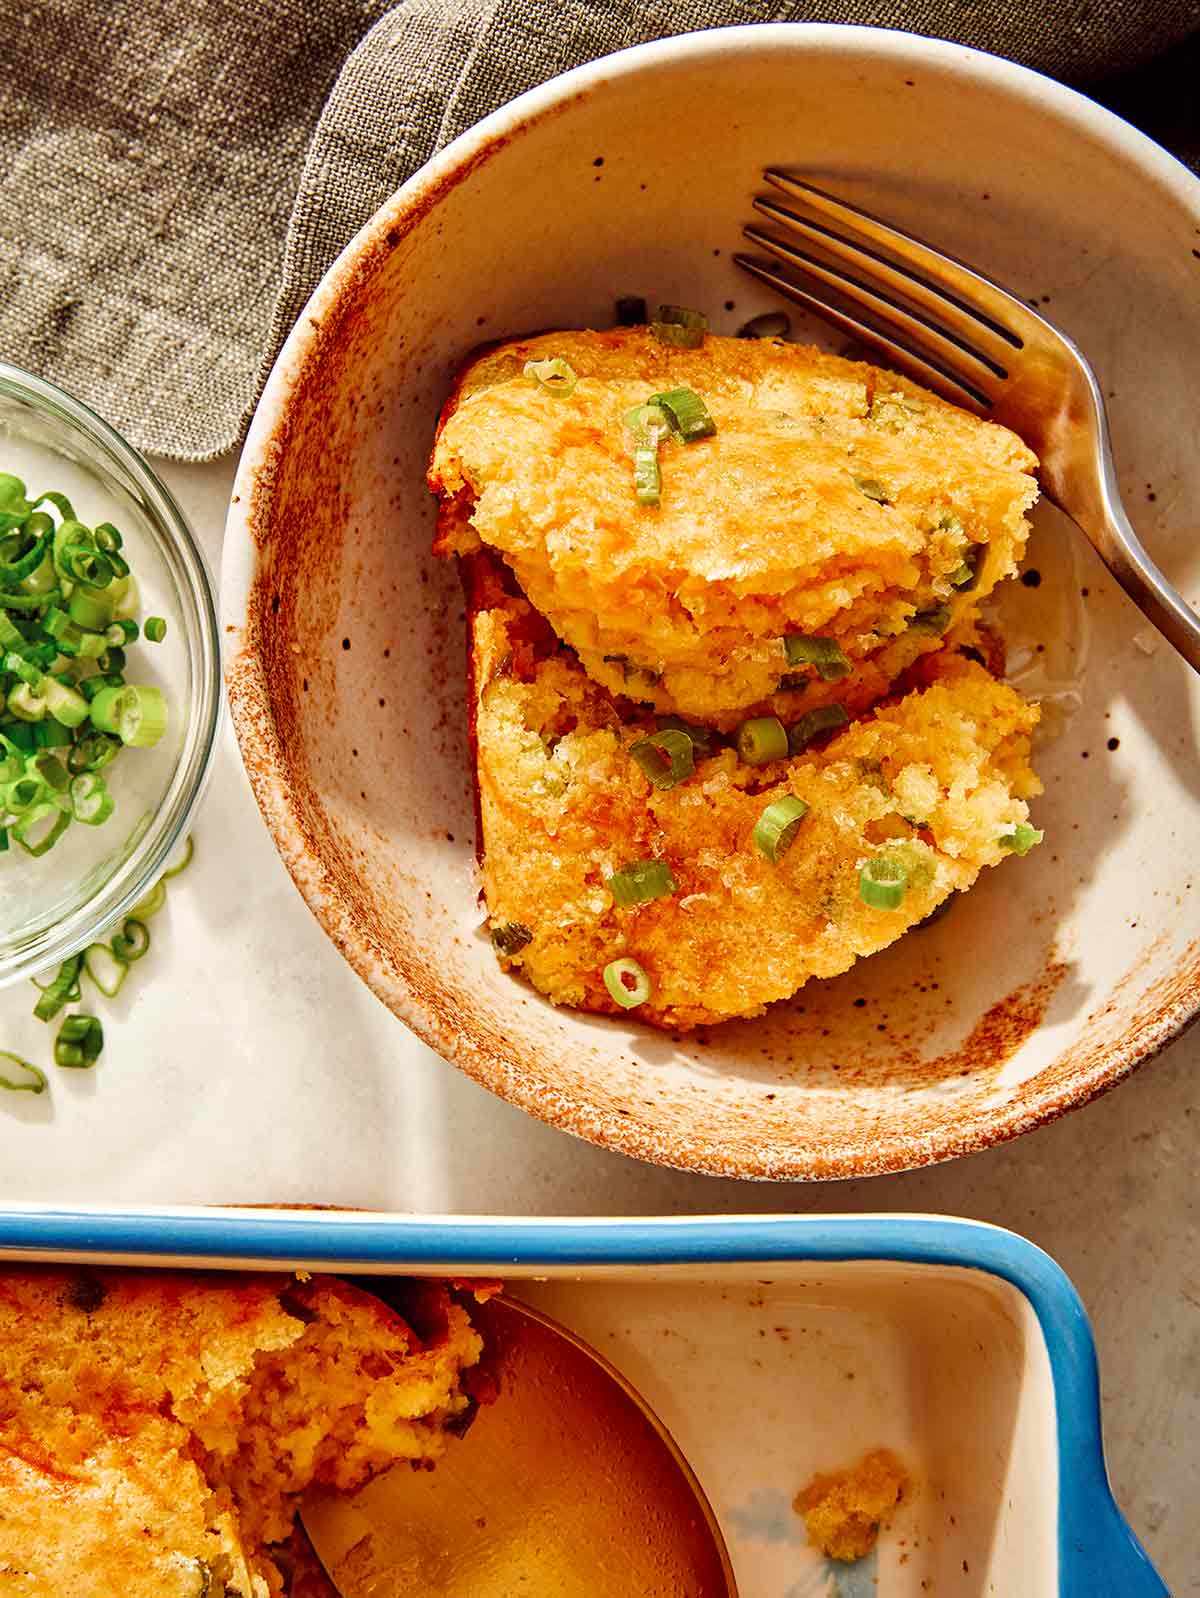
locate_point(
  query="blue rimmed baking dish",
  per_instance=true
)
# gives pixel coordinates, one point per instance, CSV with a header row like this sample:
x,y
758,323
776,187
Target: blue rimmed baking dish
x,y
773,1347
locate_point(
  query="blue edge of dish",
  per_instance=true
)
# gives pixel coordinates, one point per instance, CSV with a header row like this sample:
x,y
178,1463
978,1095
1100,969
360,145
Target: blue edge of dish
x,y
1099,1557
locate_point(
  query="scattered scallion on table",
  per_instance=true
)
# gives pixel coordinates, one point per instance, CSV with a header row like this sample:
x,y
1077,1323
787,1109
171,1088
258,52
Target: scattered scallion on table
x,y
80,1038
667,757
65,594
762,739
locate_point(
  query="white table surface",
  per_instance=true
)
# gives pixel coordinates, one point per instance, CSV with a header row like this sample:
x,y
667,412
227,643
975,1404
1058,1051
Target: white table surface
x,y
255,1067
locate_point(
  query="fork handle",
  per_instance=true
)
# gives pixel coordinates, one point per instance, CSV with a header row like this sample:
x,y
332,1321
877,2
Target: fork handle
x,y
1113,537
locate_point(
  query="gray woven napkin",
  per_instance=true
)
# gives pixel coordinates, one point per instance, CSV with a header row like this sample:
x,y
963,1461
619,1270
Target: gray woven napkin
x,y
173,188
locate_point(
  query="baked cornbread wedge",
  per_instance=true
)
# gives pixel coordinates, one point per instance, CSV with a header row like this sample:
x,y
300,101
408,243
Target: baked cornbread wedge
x,y
723,910
156,1428
825,508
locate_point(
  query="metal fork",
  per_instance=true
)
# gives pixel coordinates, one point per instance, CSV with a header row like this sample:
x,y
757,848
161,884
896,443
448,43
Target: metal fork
x,y
958,333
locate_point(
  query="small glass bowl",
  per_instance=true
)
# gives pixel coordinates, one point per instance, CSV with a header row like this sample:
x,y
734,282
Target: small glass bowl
x,y
52,906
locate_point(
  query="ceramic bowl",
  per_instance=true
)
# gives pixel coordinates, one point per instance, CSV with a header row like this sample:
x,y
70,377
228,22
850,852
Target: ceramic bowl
x,y
962,1348
1056,975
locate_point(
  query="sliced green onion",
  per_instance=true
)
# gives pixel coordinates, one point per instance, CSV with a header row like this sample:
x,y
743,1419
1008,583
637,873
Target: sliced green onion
x,y
640,881
1020,837
106,969
59,991
37,1078
112,660
82,564
936,620
23,794
10,633
40,828
882,882
91,608
667,757
65,704
12,494
700,736
648,423
91,801
92,752
151,904
771,324
185,860
510,937
647,479
24,669
688,414
762,739
823,653
119,633
626,982
91,686
3,840
873,489
51,770
79,1042
107,537
554,375
631,310
964,576
19,736
680,327
140,716
823,718
775,830
133,940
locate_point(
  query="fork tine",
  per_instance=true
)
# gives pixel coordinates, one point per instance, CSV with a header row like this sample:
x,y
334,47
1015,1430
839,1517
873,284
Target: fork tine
x,y
922,366
921,270
876,300
939,311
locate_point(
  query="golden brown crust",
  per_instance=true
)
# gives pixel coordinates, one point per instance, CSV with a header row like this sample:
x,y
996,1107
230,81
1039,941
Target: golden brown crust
x,y
156,1427
847,518
935,776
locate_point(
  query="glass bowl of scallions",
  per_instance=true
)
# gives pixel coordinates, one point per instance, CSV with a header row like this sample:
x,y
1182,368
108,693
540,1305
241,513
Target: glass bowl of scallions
x,y
110,687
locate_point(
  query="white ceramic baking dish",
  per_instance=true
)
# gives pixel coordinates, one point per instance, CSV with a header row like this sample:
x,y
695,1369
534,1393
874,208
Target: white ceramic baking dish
x,y
772,1348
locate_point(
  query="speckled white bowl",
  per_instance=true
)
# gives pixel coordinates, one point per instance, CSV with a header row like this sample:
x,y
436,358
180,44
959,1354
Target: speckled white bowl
x,y
1057,975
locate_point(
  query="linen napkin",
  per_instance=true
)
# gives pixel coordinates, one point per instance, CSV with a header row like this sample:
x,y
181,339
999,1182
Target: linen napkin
x,y
176,178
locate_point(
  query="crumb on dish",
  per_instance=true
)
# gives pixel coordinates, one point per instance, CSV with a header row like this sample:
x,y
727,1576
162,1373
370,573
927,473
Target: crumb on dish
x,y
845,1510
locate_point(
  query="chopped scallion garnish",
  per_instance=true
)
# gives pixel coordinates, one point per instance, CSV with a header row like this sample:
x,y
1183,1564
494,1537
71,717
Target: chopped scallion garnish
x,y
667,757
554,375
105,968
775,830
1020,837
823,718
641,881
79,1042
133,940
679,326
823,653
936,620
627,983
35,1079
647,479
883,882
510,936
155,629
873,489
688,414
762,739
